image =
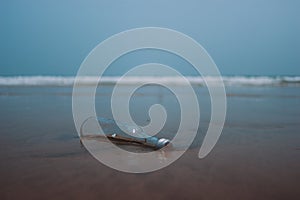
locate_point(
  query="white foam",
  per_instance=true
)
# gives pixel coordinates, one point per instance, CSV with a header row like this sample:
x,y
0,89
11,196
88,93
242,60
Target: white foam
x,y
87,80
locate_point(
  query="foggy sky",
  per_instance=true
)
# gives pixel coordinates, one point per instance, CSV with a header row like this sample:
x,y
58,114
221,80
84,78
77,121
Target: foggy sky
x,y
250,37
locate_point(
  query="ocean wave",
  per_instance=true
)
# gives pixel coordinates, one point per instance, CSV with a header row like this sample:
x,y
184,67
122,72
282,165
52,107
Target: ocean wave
x,y
196,80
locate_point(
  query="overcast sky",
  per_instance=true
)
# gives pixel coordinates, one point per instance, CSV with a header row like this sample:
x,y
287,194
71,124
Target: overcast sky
x,y
252,37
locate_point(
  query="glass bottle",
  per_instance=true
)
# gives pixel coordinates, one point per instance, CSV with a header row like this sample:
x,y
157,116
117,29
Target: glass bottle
x,y
119,132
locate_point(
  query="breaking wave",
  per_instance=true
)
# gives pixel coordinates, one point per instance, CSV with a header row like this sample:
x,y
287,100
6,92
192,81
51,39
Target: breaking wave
x,y
196,80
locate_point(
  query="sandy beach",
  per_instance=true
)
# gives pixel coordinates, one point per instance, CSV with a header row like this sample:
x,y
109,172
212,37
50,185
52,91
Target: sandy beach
x,y
257,156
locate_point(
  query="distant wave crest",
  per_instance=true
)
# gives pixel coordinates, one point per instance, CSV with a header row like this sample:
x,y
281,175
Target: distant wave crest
x,y
197,80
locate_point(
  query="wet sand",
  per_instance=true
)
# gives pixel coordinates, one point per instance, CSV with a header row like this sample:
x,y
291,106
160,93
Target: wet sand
x,y
257,156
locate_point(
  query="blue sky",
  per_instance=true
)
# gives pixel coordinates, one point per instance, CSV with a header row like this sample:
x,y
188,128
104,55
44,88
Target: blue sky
x,y
250,37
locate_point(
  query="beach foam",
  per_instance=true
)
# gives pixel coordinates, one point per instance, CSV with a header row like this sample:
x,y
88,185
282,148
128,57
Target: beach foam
x,y
87,80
